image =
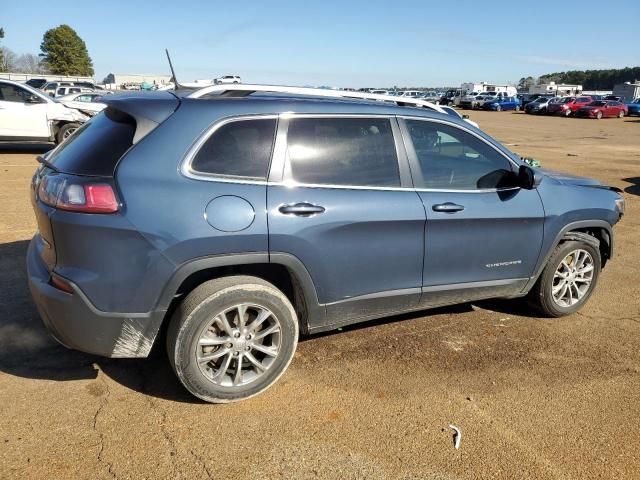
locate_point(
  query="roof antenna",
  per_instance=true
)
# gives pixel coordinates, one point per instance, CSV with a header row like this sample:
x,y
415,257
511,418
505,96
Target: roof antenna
x,y
174,79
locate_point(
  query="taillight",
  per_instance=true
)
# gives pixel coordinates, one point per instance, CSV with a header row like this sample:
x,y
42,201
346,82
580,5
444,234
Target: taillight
x,y
77,194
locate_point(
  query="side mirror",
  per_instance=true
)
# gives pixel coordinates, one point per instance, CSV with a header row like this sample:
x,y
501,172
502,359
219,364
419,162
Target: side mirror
x,y
33,99
465,117
527,178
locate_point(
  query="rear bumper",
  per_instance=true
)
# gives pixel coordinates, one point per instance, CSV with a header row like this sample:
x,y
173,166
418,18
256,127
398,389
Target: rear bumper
x,y
74,322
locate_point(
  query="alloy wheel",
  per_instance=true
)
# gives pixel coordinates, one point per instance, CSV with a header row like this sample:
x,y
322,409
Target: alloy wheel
x,y
238,345
573,278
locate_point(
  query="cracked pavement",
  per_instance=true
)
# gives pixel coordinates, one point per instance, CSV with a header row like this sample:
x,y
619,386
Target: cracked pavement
x,y
534,398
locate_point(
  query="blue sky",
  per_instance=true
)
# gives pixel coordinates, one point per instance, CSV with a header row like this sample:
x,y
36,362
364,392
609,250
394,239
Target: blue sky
x,y
356,43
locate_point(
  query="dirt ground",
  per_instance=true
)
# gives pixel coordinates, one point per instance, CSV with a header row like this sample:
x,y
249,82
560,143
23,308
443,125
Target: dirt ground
x,y
534,398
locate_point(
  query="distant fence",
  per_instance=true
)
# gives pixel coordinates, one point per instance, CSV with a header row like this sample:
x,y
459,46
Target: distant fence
x,y
23,77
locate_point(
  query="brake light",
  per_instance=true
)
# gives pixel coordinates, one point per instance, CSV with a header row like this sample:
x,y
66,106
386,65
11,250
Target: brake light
x,y
76,194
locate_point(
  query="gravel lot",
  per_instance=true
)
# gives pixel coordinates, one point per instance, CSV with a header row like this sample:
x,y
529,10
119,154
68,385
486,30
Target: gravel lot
x,y
534,398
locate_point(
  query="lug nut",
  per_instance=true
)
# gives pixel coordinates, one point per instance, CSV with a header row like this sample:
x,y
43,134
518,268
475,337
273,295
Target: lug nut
x,y
247,348
248,337
236,335
228,345
235,354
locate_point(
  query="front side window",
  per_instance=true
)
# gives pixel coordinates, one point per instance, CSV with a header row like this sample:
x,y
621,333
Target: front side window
x,y
11,93
451,159
343,151
240,149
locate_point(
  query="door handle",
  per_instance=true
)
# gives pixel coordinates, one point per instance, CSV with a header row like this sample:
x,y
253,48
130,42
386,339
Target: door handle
x,y
447,207
301,209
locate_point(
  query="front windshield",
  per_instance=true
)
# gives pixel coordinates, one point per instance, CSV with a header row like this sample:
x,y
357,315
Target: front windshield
x,y
540,100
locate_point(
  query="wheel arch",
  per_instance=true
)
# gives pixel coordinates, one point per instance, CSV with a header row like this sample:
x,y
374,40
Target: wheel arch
x,y
284,271
599,229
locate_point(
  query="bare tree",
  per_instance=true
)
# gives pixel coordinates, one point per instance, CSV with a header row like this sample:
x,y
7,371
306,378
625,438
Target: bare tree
x,y
30,63
9,60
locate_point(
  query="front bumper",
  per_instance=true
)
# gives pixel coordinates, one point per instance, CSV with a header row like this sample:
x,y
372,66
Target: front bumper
x,y
74,322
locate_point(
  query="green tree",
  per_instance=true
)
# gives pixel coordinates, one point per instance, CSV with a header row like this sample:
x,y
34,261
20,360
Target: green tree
x,y
527,82
65,53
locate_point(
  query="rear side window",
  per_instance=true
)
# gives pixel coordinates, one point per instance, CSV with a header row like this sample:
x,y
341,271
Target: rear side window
x,y
240,149
343,151
95,148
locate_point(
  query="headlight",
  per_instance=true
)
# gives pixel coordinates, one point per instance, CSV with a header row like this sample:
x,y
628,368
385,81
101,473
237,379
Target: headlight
x,y
620,206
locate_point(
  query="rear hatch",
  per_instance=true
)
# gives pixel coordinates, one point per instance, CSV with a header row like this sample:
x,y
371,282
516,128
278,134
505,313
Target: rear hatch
x,y
86,162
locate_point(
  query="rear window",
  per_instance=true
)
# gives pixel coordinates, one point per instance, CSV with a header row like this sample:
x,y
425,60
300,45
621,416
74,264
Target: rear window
x,y
238,149
95,148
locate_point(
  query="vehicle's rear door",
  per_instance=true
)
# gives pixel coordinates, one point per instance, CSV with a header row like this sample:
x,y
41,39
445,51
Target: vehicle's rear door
x,y
341,202
483,235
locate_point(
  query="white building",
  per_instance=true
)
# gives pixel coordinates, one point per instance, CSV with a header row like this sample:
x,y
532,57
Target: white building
x,y
480,87
558,89
120,80
628,90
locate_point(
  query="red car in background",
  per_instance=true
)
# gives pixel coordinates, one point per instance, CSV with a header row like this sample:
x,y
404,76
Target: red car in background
x,y
568,105
602,108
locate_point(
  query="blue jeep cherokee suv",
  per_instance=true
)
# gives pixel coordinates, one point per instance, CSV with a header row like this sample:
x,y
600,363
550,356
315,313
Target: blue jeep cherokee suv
x,y
237,218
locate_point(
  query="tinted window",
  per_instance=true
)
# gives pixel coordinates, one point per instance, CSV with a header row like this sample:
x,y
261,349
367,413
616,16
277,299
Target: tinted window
x,y
452,159
239,149
343,151
11,93
96,147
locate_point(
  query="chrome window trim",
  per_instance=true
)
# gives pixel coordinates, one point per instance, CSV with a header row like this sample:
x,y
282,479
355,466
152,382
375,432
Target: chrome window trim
x,y
186,170
278,160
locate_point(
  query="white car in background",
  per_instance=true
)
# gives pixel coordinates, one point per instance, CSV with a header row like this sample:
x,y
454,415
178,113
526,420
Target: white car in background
x,y
30,115
411,94
227,79
87,102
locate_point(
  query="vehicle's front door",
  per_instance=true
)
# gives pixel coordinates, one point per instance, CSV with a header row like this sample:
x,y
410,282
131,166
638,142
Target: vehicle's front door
x,y
340,201
22,115
483,234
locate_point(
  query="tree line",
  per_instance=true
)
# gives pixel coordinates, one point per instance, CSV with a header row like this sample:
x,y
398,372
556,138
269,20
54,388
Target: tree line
x,y
589,79
63,52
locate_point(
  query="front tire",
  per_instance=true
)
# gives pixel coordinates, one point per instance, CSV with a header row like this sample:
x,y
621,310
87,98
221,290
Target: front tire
x,y
232,338
66,131
599,115
569,278
621,114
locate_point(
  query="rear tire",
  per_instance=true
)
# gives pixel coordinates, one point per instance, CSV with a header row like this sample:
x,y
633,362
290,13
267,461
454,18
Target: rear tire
x,y
498,108
213,335
66,131
549,294
621,114
599,115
